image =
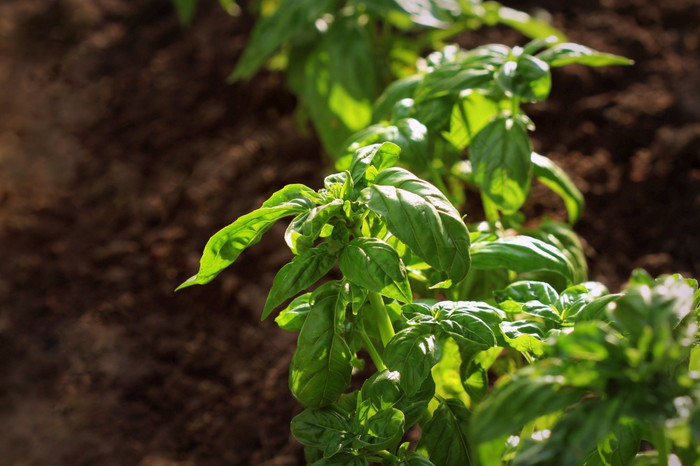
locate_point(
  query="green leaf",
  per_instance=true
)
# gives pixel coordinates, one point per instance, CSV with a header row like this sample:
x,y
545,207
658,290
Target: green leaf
x,y
337,80
531,27
304,270
380,156
226,245
567,53
308,226
292,317
415,459
444,438
412,352
395,92
342,459
524,336
291,18
473,111
469,323
500,158
521,254
419,215
320,369
526,77
621,445
520,400
382,430
450,80
524,291
373,264
325,428
556,179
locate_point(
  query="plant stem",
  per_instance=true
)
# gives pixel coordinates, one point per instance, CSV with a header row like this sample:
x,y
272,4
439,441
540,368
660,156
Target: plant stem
x,y
491,211
380,318
376,358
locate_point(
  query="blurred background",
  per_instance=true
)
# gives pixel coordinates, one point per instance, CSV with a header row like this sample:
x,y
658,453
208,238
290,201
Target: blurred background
x,y
122,149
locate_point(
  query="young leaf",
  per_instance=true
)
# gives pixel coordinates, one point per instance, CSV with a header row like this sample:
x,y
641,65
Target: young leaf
x,y
412,352
521,254
292,317
556,179
307,226
380,156
500,158
302,272
226,245
373,264
444,439
419,215
320,369
567,53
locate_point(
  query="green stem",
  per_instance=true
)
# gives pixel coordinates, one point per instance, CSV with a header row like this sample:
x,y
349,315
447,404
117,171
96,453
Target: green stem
x,y
491,211
380,318
373,353
661,445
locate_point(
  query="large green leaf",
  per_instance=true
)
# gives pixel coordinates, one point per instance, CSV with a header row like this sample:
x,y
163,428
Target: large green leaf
x,y
521,254
320,369
337,80
556,179
419,215
500,158
523,398
412,352
444,438
469,115
472,324
291,18
302,272
324,428
226,245
375,265
568,53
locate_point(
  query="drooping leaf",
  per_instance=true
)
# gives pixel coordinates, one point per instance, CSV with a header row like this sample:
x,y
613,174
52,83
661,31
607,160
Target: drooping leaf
x,y
528,25
419,215
521,254
373,264
226,245
337,79
320,369
444,439
556,179
500,159
302,272
567,53
290,19
412,352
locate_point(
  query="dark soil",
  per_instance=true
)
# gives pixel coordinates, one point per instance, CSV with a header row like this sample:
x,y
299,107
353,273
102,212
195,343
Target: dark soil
x,y
122,149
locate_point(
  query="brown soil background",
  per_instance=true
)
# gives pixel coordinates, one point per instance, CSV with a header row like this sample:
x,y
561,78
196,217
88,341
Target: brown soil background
x,y
122,149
